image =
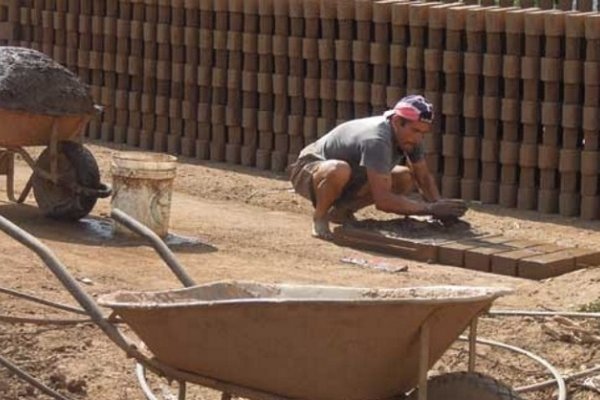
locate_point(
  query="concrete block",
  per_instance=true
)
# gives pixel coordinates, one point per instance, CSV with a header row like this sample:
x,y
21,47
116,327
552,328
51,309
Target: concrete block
x,y
546,265
478,257
506,263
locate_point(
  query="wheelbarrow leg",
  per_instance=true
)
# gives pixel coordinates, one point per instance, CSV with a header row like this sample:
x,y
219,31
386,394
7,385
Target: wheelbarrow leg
x,y
473,344
182,390
423,360
10,175
225,396
54,152
26,190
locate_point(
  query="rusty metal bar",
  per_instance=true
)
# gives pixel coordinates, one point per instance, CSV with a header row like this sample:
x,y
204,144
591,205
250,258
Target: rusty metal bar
x,y
182,390
424,340
10,176
473,344
28,297
26,157
30,379
225,396
26,190
54,153
161,248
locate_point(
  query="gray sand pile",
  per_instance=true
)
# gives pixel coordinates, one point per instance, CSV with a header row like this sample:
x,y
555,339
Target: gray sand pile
x,y
33,82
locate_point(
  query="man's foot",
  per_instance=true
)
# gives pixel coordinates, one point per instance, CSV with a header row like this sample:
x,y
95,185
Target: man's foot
x,y
341,215
321,229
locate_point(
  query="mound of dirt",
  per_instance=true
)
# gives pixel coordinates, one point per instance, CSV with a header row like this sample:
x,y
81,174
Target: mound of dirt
x,y
31,81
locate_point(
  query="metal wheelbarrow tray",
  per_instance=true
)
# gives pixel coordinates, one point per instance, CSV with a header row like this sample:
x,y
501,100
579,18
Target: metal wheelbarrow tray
x,y
310,342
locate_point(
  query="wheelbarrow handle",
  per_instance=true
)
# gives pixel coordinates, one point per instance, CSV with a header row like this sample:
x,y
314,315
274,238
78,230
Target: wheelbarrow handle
x,y
84,299
57,268
159,246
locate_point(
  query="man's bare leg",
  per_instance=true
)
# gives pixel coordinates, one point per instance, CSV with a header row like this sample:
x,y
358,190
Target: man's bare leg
x,y
329,181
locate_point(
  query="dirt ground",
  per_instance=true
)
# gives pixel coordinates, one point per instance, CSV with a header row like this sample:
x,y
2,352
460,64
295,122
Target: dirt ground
x,y
255,228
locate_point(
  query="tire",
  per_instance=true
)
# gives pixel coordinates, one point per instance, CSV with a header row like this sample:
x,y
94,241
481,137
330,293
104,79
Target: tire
x,y
466,386
75,164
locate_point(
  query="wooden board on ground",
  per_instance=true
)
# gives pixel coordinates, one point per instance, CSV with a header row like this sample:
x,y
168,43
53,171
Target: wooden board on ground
x,y
462,246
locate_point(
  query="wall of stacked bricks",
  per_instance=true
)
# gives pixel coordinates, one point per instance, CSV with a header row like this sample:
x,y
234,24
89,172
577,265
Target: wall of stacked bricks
x,y
516,89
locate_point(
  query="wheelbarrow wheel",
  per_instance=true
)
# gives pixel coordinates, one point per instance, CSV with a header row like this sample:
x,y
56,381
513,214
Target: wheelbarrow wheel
x,y
466,386
76,164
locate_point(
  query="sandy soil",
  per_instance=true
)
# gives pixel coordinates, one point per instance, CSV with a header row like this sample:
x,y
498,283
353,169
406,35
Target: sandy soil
x,y
255,228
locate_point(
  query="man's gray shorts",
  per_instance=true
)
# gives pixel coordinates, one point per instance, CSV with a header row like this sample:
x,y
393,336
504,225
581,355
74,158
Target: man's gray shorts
x,y
301,173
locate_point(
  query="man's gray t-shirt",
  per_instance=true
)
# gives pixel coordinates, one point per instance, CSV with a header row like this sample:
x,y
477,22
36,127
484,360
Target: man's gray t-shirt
x,y
367,143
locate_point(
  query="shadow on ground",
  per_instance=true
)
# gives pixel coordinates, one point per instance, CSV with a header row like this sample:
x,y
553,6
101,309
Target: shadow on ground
x,y
91,230
534,216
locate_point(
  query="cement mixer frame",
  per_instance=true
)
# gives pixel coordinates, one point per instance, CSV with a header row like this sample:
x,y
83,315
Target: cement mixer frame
x,y
65,177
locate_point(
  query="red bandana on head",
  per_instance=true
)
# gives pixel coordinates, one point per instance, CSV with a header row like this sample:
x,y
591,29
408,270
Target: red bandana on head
x,y
413,108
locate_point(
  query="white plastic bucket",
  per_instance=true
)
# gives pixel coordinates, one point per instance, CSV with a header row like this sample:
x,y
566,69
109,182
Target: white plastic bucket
x,y
142,188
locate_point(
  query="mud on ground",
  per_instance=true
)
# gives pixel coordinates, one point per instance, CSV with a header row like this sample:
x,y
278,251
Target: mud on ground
x,y
260,231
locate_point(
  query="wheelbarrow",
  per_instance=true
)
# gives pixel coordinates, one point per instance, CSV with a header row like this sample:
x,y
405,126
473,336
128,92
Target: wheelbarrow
x,y
44,104
282,341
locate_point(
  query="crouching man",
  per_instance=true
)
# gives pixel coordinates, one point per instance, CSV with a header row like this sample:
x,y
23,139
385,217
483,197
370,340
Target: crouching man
x,y
376,160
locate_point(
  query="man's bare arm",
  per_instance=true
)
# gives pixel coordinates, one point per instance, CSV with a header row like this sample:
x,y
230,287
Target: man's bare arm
x,y
425,181
385,200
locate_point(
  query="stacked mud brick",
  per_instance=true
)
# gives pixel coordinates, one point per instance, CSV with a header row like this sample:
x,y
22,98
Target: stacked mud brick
x,y
9,22
516,90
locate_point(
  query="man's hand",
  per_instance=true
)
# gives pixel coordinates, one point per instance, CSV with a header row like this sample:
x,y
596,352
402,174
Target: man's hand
x,y
447,208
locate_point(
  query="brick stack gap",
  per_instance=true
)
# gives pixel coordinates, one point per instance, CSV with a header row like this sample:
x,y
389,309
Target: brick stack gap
x,y
116,26
189,105
551,65
248,99
344,87
326,118
135,68
205,62
241,15
502,109
314,127
433,63
509,88
218,100
361,56
150,55
398,52
520,63
380,55
590,156
281,80
295,86
95,38
10,16
569,163
177,50
418,16
451,110
477,84
455,63
303,127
